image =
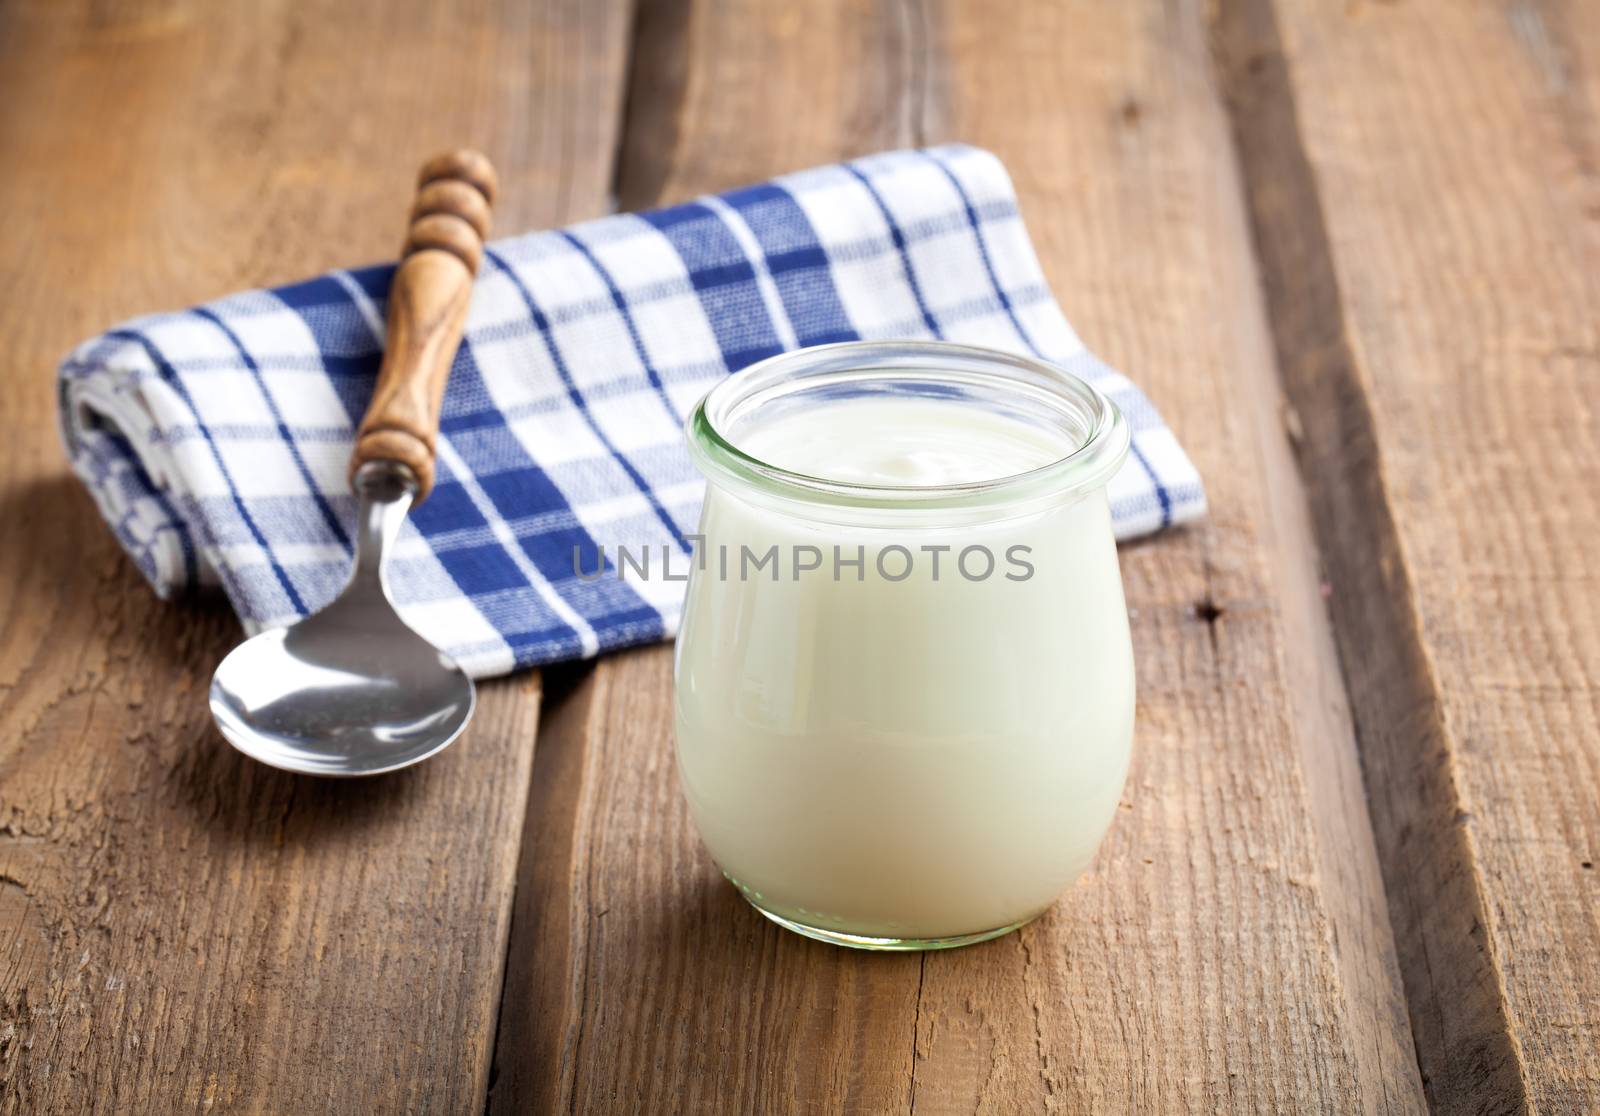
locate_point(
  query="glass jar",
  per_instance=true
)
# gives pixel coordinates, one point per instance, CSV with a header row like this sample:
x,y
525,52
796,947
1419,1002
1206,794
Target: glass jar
x,y
904,681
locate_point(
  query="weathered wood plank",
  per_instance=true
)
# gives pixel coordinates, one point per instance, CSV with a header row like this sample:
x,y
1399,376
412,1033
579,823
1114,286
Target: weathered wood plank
x,y
1423,189
181,929
1231,949
637,981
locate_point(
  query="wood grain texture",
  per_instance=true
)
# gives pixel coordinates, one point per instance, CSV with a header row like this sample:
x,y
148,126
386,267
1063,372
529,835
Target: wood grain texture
x,y
180,929
427,311
1231,949
1429,234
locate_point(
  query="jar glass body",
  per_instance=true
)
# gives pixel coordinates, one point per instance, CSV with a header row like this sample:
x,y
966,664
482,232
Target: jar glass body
x,y
913,727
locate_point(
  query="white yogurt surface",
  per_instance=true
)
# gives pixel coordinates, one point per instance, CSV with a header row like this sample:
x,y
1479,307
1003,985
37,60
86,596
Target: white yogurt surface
x,y
903,442
920,758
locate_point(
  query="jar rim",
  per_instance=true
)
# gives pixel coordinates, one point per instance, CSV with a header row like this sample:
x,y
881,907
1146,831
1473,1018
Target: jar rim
x,y
1100,452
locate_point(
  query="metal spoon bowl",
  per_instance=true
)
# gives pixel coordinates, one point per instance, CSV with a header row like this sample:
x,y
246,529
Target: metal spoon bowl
x,y
351,690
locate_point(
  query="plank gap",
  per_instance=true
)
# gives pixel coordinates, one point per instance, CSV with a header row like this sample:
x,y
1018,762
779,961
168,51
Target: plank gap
x,y
1460,1019
653,102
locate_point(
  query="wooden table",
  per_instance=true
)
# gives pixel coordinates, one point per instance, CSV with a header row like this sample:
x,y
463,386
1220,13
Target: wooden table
x,y
1351,248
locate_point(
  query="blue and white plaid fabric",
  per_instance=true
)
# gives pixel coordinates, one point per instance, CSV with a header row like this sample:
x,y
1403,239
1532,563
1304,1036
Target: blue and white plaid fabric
x,y
215,440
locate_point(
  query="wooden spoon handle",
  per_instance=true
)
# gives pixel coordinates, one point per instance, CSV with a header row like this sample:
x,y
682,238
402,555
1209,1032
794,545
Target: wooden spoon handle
x,y
428,303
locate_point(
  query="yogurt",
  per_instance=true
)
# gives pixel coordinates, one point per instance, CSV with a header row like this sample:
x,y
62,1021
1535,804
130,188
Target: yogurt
x,y
902,722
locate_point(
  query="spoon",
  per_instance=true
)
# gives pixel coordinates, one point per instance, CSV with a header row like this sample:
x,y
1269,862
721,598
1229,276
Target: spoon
x,y
353,690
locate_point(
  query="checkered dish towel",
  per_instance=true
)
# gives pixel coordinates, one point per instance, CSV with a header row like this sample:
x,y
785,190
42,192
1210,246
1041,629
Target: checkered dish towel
x,y
216,439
